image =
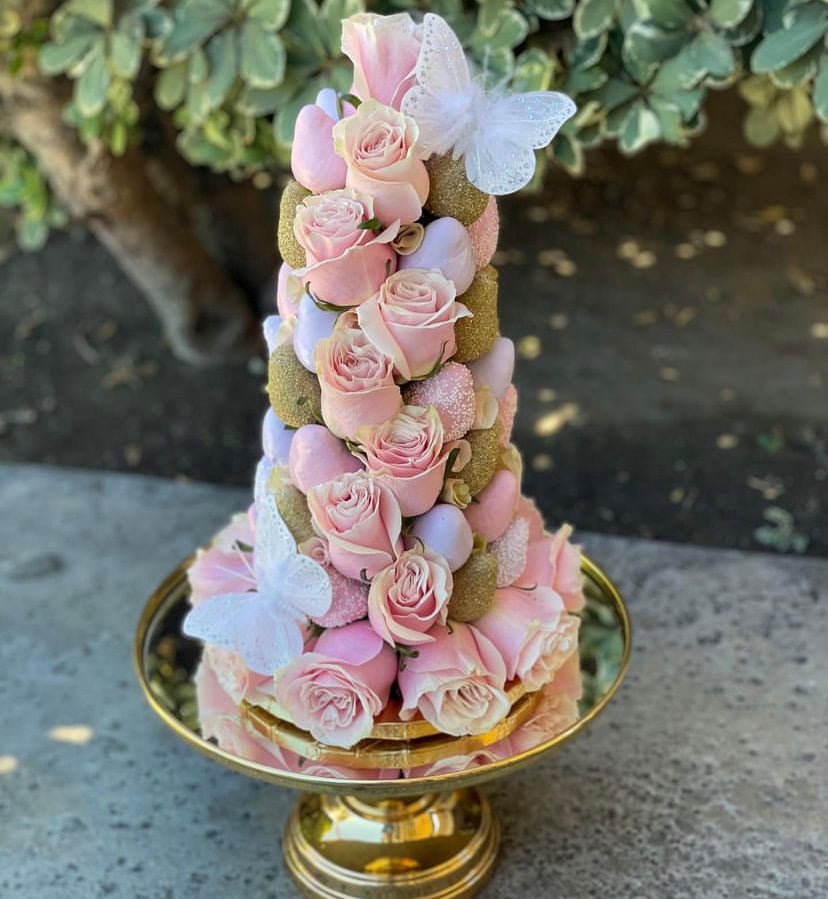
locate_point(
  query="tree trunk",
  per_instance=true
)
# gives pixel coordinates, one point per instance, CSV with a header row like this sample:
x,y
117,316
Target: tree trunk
x,y
206,317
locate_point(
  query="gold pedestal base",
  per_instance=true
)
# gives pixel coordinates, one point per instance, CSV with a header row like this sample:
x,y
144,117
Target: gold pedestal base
x,y
437,846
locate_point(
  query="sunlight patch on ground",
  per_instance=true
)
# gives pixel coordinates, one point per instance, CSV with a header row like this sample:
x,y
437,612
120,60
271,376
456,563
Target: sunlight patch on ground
x,y
76,734
552,422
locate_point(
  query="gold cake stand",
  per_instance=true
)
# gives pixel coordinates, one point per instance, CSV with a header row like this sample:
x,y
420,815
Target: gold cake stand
x,y
429,837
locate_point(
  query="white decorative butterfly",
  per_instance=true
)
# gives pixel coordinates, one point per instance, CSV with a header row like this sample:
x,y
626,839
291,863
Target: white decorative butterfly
x,y
496,133
266,626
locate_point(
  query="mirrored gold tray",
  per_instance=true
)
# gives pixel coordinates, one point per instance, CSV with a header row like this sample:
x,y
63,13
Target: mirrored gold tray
x,y
422,837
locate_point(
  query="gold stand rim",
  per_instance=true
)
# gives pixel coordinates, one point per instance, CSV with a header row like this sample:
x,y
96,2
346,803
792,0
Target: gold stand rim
x,y
169,590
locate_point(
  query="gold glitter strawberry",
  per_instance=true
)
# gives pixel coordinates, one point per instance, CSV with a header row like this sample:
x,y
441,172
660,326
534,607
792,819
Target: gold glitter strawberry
x,y
451,192
289,247
485,457
475,336
293,507
294,391
474,587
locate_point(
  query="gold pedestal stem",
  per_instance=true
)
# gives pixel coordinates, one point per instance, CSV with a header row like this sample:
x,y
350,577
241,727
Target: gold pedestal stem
x,y
435,846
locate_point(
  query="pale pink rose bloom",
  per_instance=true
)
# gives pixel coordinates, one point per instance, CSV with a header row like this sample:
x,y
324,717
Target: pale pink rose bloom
x,y
356,381
226,566
554,561
336,691
234,677
528,510
411,319
567,578
219,719
313,161
409,596
532,633
345,262
360,518
568,680
538,570
377,145
456,682
555,714
384,51
408,454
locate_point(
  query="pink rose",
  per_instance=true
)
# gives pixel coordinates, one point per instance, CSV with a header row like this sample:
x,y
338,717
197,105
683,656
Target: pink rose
x,y
409,596
360,518
408,454
313,161
532,632
555,714
346,262
357,382
555,562
226,565
568,680
412,318
566,569
456,682
384,51
336,691
234,677
528,510
377,145
219,719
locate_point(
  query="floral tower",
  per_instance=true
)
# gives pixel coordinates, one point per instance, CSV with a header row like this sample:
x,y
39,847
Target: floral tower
x,y
390,569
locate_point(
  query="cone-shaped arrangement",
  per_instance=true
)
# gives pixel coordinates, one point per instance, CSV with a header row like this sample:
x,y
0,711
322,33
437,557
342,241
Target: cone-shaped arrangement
x,y
390,567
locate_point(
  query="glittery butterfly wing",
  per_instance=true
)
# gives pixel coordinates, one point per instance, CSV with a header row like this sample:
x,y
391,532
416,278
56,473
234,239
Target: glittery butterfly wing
x,y
499,155
445,93
300,586
264,636
266,626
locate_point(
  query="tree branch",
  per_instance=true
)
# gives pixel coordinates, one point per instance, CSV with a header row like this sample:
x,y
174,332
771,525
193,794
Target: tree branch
x,y
205,316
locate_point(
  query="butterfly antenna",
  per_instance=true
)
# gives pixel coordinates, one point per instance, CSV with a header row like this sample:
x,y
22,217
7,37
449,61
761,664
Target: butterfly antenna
x,y
245,561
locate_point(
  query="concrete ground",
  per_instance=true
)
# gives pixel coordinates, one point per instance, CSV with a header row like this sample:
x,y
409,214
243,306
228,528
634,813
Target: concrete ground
x,y
703,779
671,312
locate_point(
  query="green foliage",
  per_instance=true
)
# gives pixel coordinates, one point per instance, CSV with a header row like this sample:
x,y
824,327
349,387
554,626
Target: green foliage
x,y
100,45
231,75
780,532
25,194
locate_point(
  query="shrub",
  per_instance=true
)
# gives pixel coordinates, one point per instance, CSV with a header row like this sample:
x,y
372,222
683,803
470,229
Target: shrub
x,y
224,79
